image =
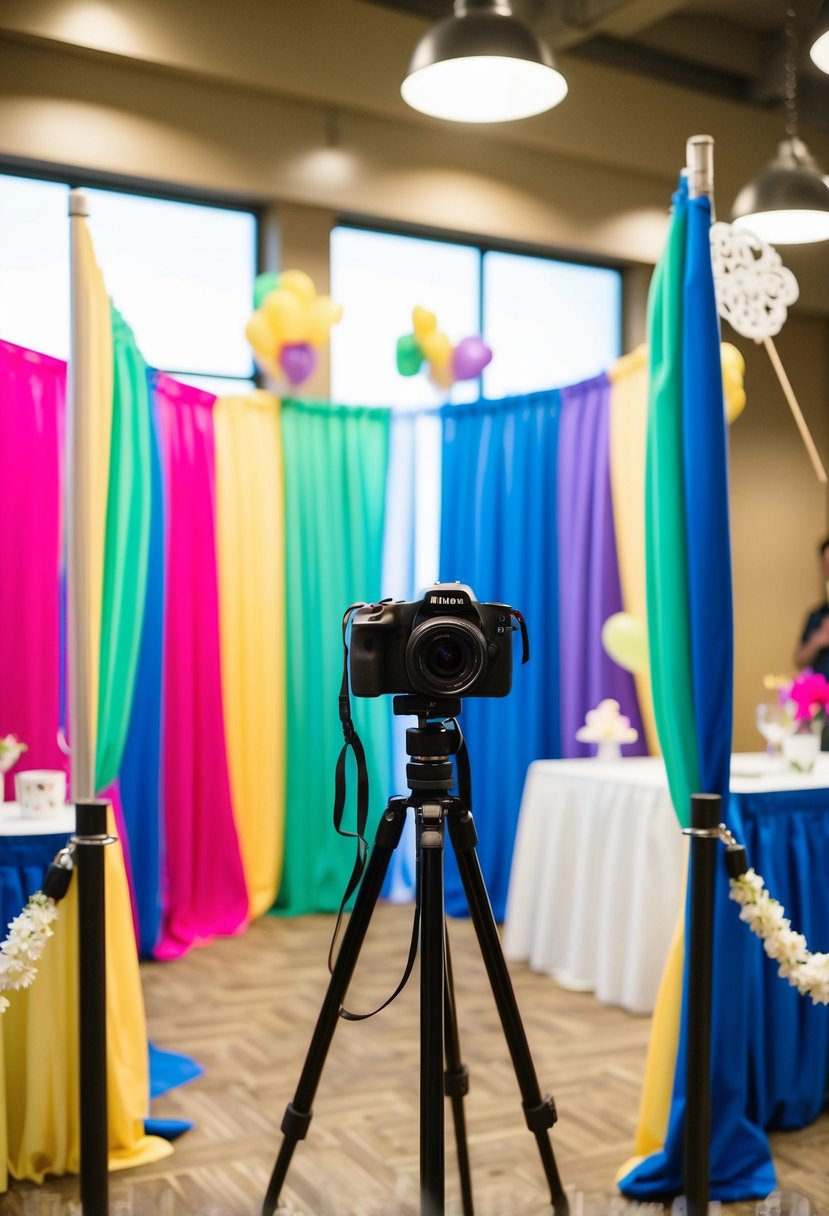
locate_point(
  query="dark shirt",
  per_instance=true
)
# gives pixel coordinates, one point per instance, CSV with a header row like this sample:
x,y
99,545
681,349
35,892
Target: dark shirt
x,y
820,662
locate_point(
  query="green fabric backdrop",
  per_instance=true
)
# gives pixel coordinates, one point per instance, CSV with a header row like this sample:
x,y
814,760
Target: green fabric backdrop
x,y
665,557
336,461
126,549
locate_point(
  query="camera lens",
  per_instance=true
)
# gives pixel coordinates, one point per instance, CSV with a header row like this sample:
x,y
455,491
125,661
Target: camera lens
x,y
445,656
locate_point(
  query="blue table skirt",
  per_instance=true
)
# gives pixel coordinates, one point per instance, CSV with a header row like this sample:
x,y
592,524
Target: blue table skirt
x,y
24,861
787,1037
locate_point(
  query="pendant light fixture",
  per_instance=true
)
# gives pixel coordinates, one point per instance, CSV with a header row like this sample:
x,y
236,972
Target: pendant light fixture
x,y
788,203
482,64
819,50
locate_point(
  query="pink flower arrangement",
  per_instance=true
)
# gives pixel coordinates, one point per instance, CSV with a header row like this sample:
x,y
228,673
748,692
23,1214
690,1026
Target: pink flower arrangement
x,y
809,694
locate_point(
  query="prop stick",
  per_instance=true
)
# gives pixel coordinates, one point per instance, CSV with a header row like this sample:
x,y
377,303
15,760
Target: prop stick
x,y
797,413
754,291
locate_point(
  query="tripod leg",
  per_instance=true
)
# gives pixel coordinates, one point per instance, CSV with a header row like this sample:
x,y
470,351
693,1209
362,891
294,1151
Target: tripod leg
x,y
430,870
539,1112
297,1117
456,1080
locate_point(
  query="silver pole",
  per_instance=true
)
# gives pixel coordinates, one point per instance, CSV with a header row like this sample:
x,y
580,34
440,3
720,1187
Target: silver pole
x,y
699,163
77,510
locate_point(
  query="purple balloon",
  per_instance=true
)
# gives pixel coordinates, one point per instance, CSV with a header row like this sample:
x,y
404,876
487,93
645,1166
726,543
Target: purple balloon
x,y
297,360
469,358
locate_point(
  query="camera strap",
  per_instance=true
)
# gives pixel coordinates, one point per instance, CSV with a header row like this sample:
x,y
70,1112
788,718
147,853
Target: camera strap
x,y
352,741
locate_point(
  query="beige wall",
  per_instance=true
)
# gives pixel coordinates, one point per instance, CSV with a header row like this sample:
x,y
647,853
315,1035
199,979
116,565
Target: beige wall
x,y
243,99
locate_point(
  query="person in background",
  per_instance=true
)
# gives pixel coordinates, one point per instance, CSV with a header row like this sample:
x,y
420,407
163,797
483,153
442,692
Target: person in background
x,y
813,650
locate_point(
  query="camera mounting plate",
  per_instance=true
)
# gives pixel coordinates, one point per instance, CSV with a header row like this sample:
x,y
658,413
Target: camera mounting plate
x,y
426,707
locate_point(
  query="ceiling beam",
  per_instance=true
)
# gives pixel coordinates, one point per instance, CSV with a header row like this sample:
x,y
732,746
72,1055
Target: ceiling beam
x,y
573,21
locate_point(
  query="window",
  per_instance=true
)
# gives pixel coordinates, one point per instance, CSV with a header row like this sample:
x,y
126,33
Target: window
x,y
180,273
549,323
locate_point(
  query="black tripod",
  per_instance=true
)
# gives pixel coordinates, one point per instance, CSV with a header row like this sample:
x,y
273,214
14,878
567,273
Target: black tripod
x,y
430,746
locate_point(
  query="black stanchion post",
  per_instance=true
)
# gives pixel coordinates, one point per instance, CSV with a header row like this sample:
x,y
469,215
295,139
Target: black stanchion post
x,y
705,818
90,839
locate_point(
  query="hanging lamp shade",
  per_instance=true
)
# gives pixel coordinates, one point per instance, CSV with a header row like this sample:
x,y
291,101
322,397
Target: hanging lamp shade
x,y
819,50
788,202
482,64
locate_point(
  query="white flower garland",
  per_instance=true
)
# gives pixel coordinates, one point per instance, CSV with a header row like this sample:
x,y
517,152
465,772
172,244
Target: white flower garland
x,y
807,972
26,941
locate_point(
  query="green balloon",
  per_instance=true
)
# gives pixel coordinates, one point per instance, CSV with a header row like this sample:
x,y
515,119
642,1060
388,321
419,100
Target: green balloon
x,y
263,285
409,355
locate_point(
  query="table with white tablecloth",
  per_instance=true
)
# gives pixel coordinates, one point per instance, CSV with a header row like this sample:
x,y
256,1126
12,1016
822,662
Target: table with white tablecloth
x,y
598,870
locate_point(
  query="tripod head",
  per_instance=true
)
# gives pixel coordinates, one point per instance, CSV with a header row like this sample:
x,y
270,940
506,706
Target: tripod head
x,y
430,745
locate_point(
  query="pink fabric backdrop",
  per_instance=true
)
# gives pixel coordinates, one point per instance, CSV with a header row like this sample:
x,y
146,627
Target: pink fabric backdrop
x,y
205,884
32,393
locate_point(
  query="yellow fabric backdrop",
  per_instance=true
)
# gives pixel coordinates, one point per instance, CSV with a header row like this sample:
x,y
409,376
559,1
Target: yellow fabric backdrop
x,y
39,1110
250,540
628,429
88,496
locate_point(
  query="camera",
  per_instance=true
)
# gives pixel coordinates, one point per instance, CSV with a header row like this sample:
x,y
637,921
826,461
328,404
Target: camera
x,y
444,645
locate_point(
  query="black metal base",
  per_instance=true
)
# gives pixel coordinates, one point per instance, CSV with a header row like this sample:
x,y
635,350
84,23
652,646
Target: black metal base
x,y
439,1036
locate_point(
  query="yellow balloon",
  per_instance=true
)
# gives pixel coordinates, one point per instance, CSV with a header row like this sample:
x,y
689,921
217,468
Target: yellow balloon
x,y
437,349
259,333
424,323
269,366
286,315
321,315
441,374
625,639
299,284
733,376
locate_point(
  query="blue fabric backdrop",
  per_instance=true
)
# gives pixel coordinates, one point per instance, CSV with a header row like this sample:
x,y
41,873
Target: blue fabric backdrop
x,y
499,469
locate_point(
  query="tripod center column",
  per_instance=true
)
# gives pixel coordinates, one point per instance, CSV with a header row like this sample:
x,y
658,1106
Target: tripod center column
x,y
430,836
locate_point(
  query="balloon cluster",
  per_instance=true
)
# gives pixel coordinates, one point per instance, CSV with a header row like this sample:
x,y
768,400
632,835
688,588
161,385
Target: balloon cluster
x,y
447,363
291,322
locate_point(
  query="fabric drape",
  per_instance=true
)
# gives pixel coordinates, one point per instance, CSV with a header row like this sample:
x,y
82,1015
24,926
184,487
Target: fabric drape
x,y
90,426
589,588
669,634
32,389
39,1039
126,547
500,467
204,880
335,485
140,781
628,441
251,560
689,569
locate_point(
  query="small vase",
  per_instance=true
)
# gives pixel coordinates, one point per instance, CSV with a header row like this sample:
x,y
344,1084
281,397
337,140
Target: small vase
x,y
802,748
608,750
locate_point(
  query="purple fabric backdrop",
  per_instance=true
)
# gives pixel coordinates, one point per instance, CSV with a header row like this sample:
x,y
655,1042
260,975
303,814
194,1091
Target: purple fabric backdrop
x,y
589,587
205,884
31,441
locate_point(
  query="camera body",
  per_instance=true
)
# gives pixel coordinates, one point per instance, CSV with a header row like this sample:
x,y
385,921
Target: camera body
x,y
444,645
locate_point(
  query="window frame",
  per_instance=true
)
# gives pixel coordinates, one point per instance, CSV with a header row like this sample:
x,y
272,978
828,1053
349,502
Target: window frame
x,y
75,178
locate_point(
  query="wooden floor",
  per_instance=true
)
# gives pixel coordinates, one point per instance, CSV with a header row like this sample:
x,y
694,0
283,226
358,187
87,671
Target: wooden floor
x,y
245,1010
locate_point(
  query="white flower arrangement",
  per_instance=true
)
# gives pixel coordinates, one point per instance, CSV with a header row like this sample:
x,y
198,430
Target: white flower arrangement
x,y
24,944
805,971
11,749
606,724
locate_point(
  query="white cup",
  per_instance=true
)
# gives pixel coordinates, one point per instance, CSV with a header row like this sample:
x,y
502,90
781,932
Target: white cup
x,y
40,792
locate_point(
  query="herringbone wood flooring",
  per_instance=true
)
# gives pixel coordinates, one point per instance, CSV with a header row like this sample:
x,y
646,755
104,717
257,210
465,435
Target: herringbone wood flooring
x,y
245,1008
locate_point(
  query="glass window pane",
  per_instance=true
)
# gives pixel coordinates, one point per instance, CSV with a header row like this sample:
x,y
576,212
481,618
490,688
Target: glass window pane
x,y
219,386
549,323
379,278
34,264
182,276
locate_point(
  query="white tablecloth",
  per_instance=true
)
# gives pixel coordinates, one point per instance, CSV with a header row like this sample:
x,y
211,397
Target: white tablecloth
x,y
598,870
12,823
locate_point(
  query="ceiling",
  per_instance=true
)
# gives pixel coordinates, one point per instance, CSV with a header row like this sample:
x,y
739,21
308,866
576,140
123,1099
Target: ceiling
x,y
726,48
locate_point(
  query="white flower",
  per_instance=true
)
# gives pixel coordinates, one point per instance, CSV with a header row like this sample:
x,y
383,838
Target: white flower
x,y
25,943
807,972
11,749
606,722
